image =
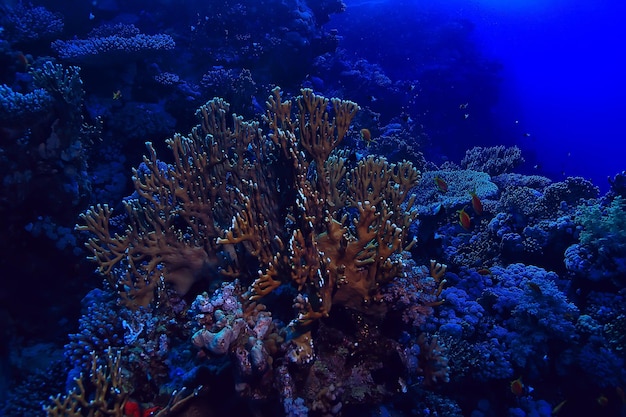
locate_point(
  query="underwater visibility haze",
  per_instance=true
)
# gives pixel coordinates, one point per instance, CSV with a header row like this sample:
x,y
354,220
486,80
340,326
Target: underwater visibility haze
x,y
312,208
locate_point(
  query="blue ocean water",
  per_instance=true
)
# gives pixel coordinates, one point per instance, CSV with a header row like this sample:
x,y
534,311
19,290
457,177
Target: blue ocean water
x,y
555,86
196,219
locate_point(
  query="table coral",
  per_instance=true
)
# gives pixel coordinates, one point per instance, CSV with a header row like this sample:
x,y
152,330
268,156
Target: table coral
x,y
25,23
110,42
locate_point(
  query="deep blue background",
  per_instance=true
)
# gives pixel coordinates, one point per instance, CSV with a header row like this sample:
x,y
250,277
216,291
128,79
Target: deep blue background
x,y
545,75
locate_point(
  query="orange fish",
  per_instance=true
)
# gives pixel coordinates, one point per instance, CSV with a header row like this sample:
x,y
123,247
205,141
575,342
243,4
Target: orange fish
x,y
464,219
366,136
23,61
477,205
484,271
441,184
517,387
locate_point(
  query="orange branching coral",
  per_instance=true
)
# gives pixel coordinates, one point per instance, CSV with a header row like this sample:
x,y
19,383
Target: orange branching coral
x,y
433,361
359,255
103,394
334,257
281,208
106,393
438,272
180,209
319,134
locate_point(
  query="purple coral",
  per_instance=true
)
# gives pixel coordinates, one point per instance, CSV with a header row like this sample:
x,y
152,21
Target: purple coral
x,y
228,327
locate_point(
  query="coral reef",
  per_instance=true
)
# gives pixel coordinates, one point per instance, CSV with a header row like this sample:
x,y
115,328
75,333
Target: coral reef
x,y
174,215
494,160
267,218
295,254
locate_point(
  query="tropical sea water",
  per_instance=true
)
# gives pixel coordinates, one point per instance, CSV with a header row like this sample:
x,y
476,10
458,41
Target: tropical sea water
x,y
544,76
554,85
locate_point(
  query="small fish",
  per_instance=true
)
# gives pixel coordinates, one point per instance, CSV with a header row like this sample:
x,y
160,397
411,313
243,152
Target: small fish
x,y
463,106
23,61
437,209
527,134
466,116
621,394
464,219
441,184
484,271
366,136
477,205
517,387
21,58
602,400
117,95
402,384
558,407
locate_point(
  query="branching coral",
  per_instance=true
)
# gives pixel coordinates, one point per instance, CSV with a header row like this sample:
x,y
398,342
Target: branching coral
x,y
259,212
103,394
284,199
179,209
433,361
344,224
